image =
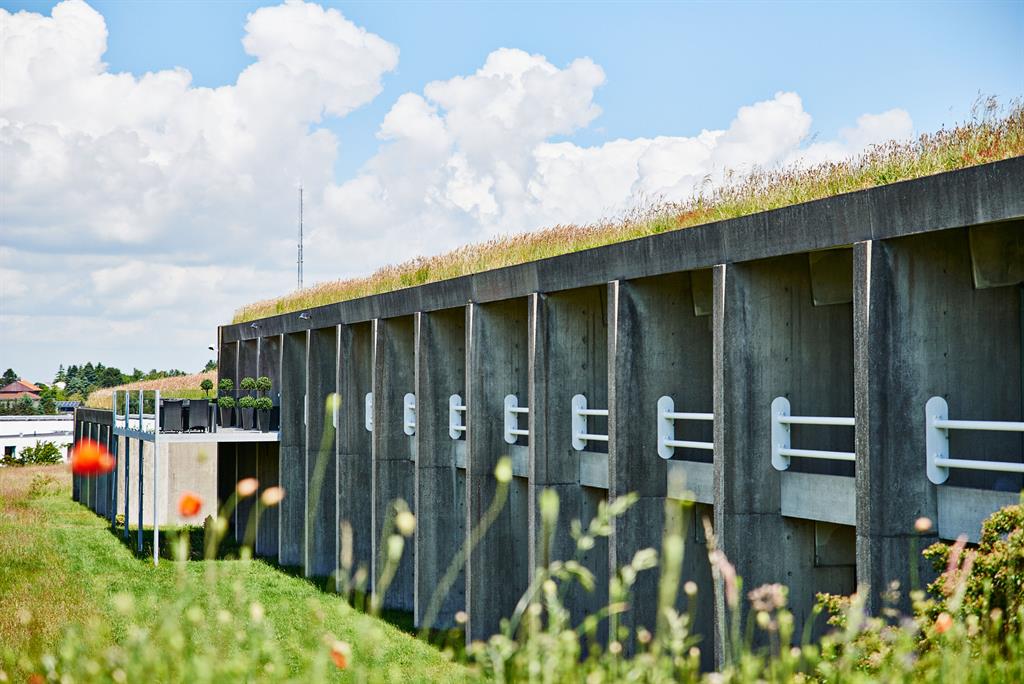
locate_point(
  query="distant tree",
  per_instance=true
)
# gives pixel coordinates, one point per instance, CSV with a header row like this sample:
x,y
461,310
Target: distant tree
x,y
9,377
48,400
206,385
24,406
210,365
61,375
111,377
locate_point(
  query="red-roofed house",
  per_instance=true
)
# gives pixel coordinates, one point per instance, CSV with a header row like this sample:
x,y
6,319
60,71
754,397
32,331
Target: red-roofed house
x,y
18,389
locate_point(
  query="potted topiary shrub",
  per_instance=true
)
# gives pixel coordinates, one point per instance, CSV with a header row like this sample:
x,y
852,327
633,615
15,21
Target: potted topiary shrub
x,y
225,405
206,385
248,384
263,406
247,411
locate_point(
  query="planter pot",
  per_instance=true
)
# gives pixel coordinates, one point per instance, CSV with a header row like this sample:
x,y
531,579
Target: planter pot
x,y
264,421
225,416
248,417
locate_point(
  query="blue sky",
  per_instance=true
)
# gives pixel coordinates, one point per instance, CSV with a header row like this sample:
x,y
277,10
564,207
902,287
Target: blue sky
x,y
535,113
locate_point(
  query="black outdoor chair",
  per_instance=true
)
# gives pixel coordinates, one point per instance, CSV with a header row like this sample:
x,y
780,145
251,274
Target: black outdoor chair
x,y
170,418
199,415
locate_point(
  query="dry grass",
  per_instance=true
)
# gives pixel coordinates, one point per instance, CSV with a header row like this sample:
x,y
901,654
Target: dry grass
x,y
993,134
179,387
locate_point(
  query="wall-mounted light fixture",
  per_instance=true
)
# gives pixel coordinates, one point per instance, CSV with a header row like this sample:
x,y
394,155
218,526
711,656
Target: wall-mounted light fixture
x,y
211,348
254,325
304,315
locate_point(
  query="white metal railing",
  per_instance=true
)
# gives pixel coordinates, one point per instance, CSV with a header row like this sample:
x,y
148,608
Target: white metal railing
x,y
512,412
781,447
456,416
409,413
580,415
937,427
368,411
667,417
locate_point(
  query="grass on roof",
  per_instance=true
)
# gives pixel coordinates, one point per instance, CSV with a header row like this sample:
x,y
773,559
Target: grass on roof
x,y
177,387
994,133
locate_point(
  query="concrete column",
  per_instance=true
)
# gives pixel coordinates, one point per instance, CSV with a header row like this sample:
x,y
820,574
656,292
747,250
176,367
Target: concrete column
x,y
568,356
292,509
770,341
440,485
924,330
268,454
321,459
658,347
498,569
393,450
246,465
355,468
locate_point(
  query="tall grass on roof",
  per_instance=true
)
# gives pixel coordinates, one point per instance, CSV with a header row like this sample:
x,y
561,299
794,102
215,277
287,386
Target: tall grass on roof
x,y
994,133
177,387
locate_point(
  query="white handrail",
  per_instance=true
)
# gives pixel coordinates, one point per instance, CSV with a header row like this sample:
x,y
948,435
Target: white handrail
x,y
667,442
409,413
580,412
368,411
781,446
937,427
512,412
456,421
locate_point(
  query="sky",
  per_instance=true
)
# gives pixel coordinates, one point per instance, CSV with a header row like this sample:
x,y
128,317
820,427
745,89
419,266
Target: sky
x,y
151,153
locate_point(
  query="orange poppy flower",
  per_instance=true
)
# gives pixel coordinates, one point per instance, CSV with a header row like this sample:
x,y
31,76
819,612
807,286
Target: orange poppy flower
x,y
341,653
189,504
91,458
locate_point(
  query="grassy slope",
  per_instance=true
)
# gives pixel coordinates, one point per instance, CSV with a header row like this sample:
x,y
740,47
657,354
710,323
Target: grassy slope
x,y
178,387
60,563
994,134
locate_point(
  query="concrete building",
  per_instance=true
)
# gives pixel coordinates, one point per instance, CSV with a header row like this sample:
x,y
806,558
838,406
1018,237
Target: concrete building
x,y
807,381
18,432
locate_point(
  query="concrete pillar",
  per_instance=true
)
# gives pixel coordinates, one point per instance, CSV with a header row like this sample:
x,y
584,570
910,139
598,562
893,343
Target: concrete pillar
x,y
228,368
658,347
267,466
292,509
770,341
393,450
498,569
440,503
568,356
321,459
924,330
355,468
246,466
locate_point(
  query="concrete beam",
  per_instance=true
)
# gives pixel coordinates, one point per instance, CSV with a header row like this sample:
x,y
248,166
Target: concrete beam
x,y
292,538
770,341
498,569
394,458
657,347
568,356
355,468
321,455
440,505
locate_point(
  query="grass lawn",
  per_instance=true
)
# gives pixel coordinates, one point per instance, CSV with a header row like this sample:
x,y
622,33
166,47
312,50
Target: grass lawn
x,y
60,565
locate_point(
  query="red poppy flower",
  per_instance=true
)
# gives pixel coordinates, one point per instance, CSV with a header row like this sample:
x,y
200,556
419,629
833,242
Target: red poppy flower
x,y
189,504
91,458
341,653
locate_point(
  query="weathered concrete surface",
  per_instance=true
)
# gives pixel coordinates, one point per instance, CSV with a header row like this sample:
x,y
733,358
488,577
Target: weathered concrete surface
x,y
321,461
980,194
923,330
355,468
568,356
769,341
394,458
498,568
292,509
192,467
246,466
658,347
268,455
440,486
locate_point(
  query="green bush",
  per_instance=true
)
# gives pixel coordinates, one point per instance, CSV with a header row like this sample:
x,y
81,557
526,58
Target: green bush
x,y
263,384
264,404
206,385
226,385
247,402
248,384
41,454
226,402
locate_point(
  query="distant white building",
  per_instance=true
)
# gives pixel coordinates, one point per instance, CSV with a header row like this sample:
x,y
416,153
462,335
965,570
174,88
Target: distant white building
x,y
18,432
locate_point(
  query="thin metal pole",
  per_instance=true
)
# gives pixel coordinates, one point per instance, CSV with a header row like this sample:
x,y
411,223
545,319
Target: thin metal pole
x,y
127,465
156,487
142,448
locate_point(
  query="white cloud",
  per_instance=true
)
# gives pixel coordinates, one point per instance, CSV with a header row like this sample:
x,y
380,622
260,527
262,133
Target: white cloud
x,y
144,204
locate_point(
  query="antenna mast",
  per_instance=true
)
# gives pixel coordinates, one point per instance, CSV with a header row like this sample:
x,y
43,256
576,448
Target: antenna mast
x,y
300,236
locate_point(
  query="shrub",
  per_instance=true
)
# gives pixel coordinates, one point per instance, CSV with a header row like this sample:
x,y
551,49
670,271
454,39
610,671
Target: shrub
x,y
226,385
40,454
206,385
263,383
264,404
226,402
248,384
247,402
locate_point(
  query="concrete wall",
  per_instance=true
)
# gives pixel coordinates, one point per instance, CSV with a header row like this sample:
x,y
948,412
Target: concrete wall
x,y
292,509
268,454
394,454
440,494
321,460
